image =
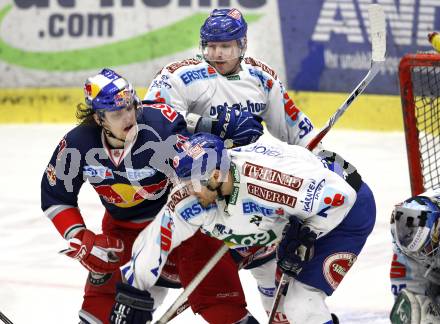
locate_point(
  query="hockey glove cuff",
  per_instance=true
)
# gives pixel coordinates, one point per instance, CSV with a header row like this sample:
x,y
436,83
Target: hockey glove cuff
x,y
132,306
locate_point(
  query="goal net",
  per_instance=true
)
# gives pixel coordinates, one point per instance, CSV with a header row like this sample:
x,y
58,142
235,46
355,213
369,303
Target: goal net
x,y
419,76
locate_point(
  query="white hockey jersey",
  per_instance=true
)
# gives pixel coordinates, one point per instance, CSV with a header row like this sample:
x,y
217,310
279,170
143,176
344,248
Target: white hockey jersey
x,y
194,86
272,181
407,272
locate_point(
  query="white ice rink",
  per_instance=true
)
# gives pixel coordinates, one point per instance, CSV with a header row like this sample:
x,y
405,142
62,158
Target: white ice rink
x,y
37,285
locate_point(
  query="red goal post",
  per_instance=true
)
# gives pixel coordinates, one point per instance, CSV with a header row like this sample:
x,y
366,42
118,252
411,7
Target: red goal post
x,y
419,76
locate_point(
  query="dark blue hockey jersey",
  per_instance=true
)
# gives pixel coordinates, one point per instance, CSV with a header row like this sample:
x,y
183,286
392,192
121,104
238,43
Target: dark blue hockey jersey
x,y
128,181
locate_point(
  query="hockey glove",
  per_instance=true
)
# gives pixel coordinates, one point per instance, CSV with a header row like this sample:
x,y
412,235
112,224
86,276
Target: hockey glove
x,y
132,306
295,248
242,127
97,253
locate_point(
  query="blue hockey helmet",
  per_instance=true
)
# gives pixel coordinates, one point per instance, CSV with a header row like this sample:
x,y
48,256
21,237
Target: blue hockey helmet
x,y
108,91
202,153
415,223
223,25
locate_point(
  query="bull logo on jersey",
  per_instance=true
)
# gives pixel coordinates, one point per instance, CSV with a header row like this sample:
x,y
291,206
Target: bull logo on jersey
x,y
125,196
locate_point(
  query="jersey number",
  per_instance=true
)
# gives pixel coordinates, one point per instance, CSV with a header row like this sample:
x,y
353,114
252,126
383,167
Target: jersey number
x,y
168,112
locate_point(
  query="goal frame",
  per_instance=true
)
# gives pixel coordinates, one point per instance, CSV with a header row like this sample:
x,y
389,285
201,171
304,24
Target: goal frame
x,y
408,62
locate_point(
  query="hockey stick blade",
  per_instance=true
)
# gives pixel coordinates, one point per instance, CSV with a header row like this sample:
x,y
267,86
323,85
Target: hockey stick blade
x,y
378,49
377,32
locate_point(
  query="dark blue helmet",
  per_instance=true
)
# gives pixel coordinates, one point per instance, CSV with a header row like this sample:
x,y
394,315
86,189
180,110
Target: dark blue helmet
x,y
108,91
223,25
202,153
415,223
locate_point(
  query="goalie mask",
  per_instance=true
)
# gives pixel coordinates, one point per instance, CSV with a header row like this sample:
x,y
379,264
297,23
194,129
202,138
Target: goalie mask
x,y
415,224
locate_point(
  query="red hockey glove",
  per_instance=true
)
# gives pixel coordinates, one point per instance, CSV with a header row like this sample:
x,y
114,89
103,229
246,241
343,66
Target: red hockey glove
x,y
97,253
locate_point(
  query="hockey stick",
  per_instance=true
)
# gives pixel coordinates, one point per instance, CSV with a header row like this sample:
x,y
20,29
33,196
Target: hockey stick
x,y
378,49
284,281
193,285
4,319
378,42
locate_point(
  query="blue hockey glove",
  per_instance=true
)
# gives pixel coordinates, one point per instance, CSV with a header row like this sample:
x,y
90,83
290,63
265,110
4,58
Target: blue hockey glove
x,y
295,248
132,306
242,127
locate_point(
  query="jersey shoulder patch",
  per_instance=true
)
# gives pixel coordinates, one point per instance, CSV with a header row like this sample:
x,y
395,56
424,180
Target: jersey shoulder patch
x,y
173,67
263,66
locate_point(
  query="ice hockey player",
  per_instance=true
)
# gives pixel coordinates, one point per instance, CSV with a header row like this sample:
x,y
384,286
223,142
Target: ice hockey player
x,y
245,197
119,146
415,268
223,78
220,79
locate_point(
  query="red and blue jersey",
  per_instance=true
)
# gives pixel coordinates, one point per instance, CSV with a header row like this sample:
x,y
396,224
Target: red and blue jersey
x,y
130,182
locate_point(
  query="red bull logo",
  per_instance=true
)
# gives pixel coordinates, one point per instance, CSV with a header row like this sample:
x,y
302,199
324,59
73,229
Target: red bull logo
x,y
126,196
123,98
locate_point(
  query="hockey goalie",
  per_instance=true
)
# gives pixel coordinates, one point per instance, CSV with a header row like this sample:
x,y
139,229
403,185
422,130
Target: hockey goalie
x,y
415,269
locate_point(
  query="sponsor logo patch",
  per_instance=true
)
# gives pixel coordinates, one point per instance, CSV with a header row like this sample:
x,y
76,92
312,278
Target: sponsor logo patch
x,y
272,176
312,194
195,75
398,270
336,266
271,195
191,210
264,67
252,207
262,238
177,197
173,67
330,198
101,172
139,174
253,107
61,147
258,148
51,175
